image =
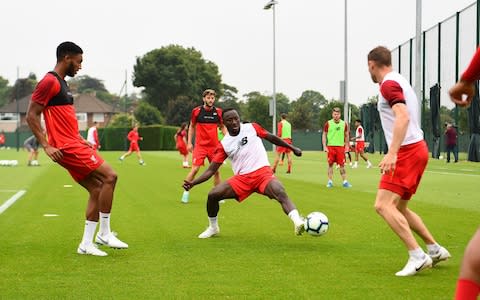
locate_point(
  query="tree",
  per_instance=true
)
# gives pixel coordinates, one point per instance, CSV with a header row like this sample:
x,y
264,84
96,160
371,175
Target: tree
x,y
85,83
173,71
229,99
146,114
179,110
306,110
121,120
257,109
23,87
4,91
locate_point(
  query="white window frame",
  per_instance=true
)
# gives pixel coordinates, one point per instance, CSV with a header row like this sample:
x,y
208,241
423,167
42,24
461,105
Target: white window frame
x,y
12,117
98,117
81,117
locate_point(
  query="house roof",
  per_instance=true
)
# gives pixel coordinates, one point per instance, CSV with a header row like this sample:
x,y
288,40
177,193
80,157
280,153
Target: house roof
x,y
86,103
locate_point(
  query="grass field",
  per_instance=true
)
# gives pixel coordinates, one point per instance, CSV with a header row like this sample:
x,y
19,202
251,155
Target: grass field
x,y
256,254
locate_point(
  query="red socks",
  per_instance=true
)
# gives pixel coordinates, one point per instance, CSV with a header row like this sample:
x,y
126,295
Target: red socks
x,y
467,290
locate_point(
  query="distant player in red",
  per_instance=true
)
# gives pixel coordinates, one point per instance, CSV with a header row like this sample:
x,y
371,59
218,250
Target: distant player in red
x,y
468,284
359,140
204,124
252,173
134,137
404,163
284,129
67,147
181,143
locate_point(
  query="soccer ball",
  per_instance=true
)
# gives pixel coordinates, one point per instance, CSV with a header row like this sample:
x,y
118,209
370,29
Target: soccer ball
x,y
316,223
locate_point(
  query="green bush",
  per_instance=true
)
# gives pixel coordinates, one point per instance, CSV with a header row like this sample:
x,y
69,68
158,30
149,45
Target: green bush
x,y
155,137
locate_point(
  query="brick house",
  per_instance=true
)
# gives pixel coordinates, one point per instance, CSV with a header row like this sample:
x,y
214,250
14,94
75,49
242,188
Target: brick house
x,y
87,106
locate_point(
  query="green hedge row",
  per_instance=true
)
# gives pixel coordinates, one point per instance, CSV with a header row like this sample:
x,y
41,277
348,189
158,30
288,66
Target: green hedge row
x,y
155,137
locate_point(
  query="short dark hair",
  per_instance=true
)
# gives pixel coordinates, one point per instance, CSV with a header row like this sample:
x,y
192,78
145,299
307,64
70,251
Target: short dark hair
x,y
283,115
336,109
227,110
208,92
381,56
359,121
67,48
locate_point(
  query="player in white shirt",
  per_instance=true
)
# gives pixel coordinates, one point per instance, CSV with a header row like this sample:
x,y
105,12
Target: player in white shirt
x,y
404,163
359,139
252,172
92,136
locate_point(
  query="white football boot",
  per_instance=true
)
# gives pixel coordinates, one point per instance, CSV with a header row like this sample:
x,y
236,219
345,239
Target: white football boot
x,y
111,241
209,232
414,266
441,255
90,250
299,228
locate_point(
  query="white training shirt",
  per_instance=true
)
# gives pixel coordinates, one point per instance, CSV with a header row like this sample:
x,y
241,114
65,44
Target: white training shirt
x,y
359,134
396,89
245,150
91,135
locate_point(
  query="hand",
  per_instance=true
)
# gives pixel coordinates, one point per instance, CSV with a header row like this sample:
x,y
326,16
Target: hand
x,y
297,151
388,163
460,89
187,185
99,146
55,154
325,148
190,147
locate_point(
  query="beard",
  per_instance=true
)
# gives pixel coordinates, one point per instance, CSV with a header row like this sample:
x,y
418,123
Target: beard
x,y
70,70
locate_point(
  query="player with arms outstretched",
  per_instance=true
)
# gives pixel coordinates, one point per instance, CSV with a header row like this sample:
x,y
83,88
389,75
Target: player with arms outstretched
x,y
67,147
252,172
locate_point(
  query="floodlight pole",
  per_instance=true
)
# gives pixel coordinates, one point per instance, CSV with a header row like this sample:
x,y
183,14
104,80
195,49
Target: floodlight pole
x,y
271,5
418,57
345,71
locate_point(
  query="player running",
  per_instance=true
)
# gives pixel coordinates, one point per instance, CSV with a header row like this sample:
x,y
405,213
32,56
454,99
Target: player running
x,y
252,172
66,147
468,284
133,137
404,163
359,139
180,138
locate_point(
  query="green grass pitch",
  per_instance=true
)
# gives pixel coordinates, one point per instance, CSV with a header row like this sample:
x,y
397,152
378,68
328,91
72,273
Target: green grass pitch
x,y
256,254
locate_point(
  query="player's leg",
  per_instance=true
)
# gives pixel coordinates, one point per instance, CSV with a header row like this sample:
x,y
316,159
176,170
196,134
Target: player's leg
x,y
282,159
108,178
468,284
126,154
330,160
455,152
217,194
341,162
289,161
190,176
386,204
139,157
276,190
275,162
365,158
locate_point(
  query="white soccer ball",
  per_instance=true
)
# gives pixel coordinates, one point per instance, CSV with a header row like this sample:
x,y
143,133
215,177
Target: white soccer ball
x,y
316,223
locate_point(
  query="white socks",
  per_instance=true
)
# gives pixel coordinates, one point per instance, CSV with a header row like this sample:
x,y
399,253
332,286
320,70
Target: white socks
x,y
89,232
295,217
104,224
433,248
213,222
417,253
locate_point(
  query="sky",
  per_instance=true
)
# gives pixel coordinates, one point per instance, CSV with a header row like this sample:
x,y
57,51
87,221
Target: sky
x,y
236,35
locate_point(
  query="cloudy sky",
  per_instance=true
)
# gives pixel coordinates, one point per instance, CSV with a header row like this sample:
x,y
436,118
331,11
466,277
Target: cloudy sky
x,y
236,35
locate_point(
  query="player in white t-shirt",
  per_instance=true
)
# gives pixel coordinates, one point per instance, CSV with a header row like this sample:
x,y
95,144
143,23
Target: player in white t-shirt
x,y
404,163
359,140
252,172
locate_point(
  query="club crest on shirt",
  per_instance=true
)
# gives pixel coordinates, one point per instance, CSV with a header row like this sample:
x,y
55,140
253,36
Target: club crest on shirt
x,y
93,158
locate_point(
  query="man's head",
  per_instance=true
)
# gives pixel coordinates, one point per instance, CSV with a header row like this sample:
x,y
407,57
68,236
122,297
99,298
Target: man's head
x,y
358,122
231,120
283,116
336,114
70,56
209,97
379,62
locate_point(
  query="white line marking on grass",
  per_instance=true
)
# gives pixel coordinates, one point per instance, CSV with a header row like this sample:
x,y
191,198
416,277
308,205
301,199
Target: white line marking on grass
x,y
50,215
451,173
8,191
12,200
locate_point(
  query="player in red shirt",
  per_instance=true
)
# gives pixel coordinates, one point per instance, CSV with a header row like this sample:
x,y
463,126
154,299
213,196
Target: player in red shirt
x,y
133,137
67,147
468,284
204,124
252,172
181,143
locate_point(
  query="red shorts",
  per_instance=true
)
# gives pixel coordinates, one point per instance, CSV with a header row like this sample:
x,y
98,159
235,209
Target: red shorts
x,y
281,149
134,147
411,163
359,146
256,181
336,154
200,153
80,160
182,148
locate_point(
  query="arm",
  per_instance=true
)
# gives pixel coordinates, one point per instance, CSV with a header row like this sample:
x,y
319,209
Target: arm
x,y
191,130
279,142
95,136
324,141
347,137
400,127
212,169
33,119
466,84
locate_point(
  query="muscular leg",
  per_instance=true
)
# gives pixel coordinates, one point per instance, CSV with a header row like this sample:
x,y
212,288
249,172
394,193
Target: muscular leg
x,y
343,173
415,222
470,268
108,179
93,186
330,172
275,190
386,206
275,162
192,173
218,193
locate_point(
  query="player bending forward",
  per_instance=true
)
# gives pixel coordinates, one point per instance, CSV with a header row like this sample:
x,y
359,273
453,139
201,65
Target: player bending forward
x,y
252,172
